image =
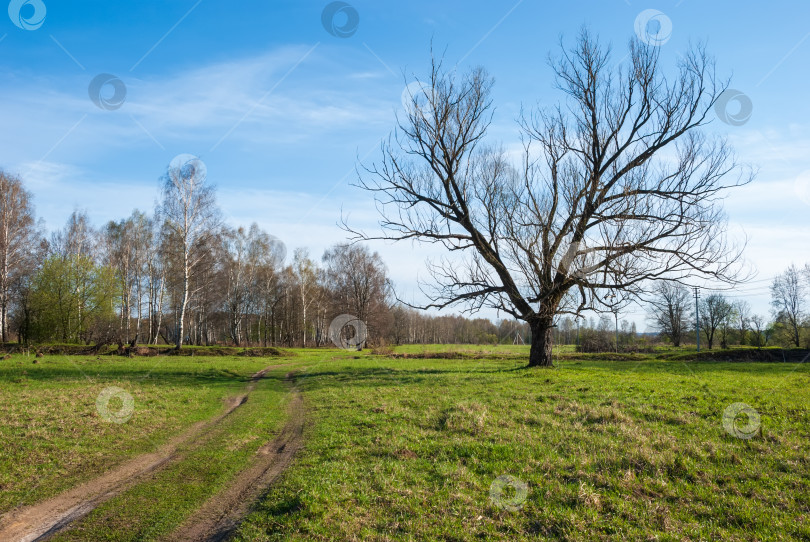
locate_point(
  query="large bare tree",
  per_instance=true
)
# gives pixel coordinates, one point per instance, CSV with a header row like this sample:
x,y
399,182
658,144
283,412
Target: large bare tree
x,y
190,215
618,186
18,235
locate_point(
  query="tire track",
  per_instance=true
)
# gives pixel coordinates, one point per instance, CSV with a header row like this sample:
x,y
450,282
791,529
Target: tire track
x,y
42,520
219,517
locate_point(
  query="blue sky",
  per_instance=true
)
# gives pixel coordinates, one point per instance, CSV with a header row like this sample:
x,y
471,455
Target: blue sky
x,y
280,110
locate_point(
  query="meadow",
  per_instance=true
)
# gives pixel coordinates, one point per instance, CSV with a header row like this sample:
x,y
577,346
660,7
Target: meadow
x,y
419,443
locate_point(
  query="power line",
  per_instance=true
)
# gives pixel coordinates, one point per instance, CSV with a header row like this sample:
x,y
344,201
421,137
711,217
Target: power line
x,y
738,294
755,290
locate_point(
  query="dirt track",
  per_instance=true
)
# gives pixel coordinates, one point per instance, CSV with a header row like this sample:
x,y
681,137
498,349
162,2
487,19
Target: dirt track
x,y
221,514
41,520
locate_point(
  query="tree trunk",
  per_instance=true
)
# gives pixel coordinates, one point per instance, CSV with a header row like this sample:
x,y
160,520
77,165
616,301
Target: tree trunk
x,y
540,353
183,304
5,290
140,314
159,303
4,318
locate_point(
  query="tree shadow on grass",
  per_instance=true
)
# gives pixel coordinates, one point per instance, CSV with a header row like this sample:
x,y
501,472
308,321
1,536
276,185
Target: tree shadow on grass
x,y
376,377
156,376
392,375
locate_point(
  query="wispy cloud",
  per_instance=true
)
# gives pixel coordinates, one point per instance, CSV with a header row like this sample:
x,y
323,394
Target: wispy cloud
x,y
196,107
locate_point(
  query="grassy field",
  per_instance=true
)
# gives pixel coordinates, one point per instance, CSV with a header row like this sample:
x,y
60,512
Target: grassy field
x,y
430,449
410,449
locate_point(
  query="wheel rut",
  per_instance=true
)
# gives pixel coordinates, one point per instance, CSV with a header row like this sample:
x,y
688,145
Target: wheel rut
x,y
219,517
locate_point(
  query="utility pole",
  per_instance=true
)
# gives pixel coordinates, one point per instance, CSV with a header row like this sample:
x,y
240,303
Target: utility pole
x,y
518,336
616,315
697,318
615,312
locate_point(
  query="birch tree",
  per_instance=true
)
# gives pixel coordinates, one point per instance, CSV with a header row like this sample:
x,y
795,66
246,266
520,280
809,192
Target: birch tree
x,y
190,213
18,235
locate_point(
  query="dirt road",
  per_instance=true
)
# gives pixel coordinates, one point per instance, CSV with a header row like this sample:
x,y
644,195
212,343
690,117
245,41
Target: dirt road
x,y
41,520
221,515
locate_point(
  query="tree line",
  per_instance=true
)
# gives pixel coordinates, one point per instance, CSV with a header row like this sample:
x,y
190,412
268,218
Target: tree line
x,y
181,276
675,313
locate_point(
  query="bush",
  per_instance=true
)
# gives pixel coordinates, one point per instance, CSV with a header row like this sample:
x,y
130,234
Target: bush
x,y
382,350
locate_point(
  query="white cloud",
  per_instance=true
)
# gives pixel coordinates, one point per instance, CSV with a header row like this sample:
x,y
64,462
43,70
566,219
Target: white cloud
x,y
244,100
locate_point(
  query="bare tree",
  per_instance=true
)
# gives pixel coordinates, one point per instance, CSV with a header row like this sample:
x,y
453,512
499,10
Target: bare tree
x,y
306,274
715,312
358,281
142,248
742,314
725,327
207,286
190,214
244,253
118,238
670,310
156,276
18,235
235,253
618,186
759,325
77,238
787,299
270,287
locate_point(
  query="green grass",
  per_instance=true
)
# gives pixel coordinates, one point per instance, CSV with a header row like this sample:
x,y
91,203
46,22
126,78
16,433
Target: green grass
x,y
469,348
408,449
